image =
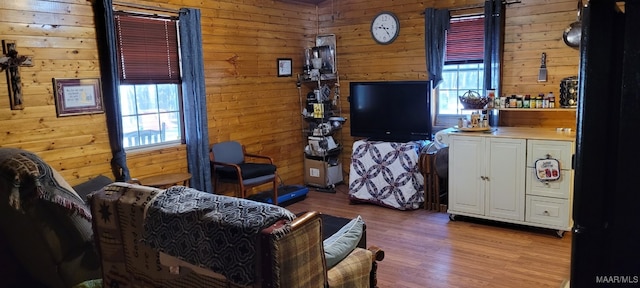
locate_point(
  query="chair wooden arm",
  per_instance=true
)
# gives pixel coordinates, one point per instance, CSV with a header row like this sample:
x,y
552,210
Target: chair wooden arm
x,y
225,164
234,166
259,156
378,253
302,220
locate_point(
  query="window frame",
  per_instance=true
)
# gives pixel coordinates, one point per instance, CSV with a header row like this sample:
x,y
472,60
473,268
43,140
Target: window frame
x,y
448,120
173,67
159,115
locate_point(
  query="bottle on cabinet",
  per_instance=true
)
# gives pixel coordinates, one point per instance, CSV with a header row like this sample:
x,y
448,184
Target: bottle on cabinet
x,y
551,100
541,101
526,103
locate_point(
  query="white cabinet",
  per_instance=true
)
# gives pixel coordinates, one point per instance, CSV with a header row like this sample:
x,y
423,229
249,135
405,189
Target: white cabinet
x,y
505,178
466,167
494,178
487,177
549,202
548,212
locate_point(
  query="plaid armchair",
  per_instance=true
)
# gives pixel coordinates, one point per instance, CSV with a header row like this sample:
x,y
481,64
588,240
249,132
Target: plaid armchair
x,y
138,250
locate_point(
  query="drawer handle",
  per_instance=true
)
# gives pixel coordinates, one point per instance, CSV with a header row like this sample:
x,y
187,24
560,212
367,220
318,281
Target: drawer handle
x,y
546,213
547,184
484,178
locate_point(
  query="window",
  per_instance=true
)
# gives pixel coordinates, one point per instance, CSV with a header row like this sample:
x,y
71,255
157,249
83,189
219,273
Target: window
x,y
463,68
150,97
458,79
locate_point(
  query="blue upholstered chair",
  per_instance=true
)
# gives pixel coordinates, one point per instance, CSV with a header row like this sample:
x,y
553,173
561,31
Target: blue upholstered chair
x,y
229,165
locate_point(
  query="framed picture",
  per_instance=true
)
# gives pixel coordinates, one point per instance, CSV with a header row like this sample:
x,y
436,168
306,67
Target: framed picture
x,y
77,96
284,67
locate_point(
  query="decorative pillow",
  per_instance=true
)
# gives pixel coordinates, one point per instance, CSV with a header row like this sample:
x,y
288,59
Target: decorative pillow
x,y
341,243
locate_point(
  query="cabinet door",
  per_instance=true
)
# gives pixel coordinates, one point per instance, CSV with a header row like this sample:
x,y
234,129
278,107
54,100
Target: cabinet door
x,y
466,168
549,211
541,149
560,188
505,178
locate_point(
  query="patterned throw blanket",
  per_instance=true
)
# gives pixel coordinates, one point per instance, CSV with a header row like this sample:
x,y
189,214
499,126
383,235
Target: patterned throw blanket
x,y
387,174
211,231
34,179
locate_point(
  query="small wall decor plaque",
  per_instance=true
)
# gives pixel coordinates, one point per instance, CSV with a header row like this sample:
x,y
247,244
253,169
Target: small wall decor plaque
x,y
547,169
284,67
77,96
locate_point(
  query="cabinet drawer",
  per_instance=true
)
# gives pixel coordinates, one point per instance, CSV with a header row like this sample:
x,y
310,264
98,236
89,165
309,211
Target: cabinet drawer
x,y
560,188
549,211
539,149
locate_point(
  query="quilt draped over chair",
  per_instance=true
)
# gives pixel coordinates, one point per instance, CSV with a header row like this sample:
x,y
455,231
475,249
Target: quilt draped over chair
x,y
221,227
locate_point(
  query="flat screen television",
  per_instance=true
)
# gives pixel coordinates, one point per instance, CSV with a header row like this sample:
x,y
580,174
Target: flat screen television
x,y
393,111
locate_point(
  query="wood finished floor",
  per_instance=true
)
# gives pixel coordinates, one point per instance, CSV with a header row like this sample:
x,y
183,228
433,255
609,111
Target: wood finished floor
x,y
426,249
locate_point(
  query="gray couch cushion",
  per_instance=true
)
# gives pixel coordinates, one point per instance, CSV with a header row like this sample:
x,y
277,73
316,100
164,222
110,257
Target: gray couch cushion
x,y
92,185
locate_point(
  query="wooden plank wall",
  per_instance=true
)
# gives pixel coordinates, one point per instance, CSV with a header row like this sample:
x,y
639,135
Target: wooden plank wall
x,y
361,59
246,100
60,35
532,26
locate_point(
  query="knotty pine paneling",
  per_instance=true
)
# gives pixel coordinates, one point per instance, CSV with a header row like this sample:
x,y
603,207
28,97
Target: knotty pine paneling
x,y
540,118
60,36
246,101
532,27
359,58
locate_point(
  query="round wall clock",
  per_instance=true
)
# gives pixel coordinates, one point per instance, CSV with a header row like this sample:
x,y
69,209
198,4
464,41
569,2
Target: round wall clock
x,y
385,27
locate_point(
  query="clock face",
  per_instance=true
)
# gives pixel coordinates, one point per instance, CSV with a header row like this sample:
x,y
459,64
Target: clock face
x,y
385,28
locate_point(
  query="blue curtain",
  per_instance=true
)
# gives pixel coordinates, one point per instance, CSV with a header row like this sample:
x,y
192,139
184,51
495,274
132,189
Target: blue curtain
x,y
436,23
106,37
494,21
194,100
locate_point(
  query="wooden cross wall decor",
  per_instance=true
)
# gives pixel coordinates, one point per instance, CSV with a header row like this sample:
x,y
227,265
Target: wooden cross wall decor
x,y
10,62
